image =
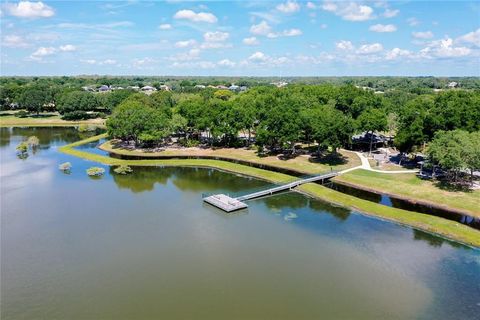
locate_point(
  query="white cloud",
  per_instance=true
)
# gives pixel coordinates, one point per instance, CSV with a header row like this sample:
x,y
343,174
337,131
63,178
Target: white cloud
x,y
264,29
27,9
397,53
99,63
226,63
185,43
109,61
165,26
389,13
262,59
292,32
195,17
145,63
261,29
195,64
344,45
422,34
42,52
14,41
251,41
444,49
370,48
383,28
350,11
216,36
68,48
311,5
285,33
89,61
258,57
192,54
288,7
470,38
413,22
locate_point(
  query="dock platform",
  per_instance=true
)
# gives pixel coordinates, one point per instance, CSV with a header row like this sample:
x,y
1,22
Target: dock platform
x,y
225,202
229,204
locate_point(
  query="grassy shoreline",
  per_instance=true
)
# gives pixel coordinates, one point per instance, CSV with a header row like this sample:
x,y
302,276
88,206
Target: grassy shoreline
x,y
303,164
52,120
446,228
410,188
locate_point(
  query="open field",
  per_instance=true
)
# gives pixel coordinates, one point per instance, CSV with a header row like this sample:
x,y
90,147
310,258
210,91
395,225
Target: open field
x,y
301,163
47,119
409,186
446,228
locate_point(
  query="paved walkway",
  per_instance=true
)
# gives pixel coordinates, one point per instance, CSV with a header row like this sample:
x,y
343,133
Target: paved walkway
x,y
366,166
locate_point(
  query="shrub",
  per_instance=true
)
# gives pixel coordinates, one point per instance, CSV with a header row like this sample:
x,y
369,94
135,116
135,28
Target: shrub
x,y
33,142
87,128
188,143
95,171
21,114
123,169
65,167
22,147
76,115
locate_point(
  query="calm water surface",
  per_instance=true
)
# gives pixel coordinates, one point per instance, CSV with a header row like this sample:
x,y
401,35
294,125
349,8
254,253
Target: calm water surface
x,y
144,246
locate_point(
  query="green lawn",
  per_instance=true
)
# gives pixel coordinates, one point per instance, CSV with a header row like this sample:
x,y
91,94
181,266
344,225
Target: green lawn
x,y
46,119
302,163
410,186
446,228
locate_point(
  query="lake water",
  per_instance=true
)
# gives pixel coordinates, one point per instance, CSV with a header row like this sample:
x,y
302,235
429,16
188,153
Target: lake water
x,y
145,246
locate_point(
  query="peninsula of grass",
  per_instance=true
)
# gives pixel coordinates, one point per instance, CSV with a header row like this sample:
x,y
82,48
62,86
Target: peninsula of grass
x,y
410,187
446,228
48,119
304,164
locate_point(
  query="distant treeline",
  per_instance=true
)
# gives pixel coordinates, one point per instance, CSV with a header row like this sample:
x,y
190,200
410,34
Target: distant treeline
x,y
410,84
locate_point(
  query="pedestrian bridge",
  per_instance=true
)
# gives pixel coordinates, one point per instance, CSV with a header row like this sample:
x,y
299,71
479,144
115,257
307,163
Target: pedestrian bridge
x,y
229,204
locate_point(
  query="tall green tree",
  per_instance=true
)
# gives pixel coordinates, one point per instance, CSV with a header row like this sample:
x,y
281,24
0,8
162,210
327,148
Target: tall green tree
x,y
372,120
33,99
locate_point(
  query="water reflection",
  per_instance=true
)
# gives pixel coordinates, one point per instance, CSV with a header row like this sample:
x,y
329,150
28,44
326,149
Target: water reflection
x,y
184,178
406,205
433,240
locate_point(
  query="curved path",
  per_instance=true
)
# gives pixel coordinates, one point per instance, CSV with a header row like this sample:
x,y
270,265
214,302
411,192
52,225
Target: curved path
x,y
366,166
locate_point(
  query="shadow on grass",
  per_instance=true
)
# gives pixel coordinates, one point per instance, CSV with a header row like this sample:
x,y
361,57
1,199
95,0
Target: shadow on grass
x,y
331,159
453,187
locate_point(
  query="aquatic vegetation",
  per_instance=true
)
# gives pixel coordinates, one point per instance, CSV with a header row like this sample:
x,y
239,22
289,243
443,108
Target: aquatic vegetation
x,y
290,216
22,147
86,128
95,171
65,167
33,142
123,169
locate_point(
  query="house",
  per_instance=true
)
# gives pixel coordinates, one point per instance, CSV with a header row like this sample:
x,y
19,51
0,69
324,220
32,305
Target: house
x,y
279,84
234,88
104,88
243,88
136,88
221,87
164,87
89,88
200,86
148,89
453,85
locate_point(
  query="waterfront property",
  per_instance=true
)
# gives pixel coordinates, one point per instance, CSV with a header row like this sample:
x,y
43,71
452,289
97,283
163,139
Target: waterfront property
x,y
229,204
143,246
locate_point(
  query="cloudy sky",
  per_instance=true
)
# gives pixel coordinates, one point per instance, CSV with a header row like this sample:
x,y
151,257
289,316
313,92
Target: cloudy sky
x,y
282,38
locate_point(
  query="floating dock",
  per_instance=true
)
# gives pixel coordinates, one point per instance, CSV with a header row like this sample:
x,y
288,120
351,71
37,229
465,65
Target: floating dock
x,y
229,204
225,202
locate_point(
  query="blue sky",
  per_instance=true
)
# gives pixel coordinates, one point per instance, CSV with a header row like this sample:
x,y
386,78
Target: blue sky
x,y
241,38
